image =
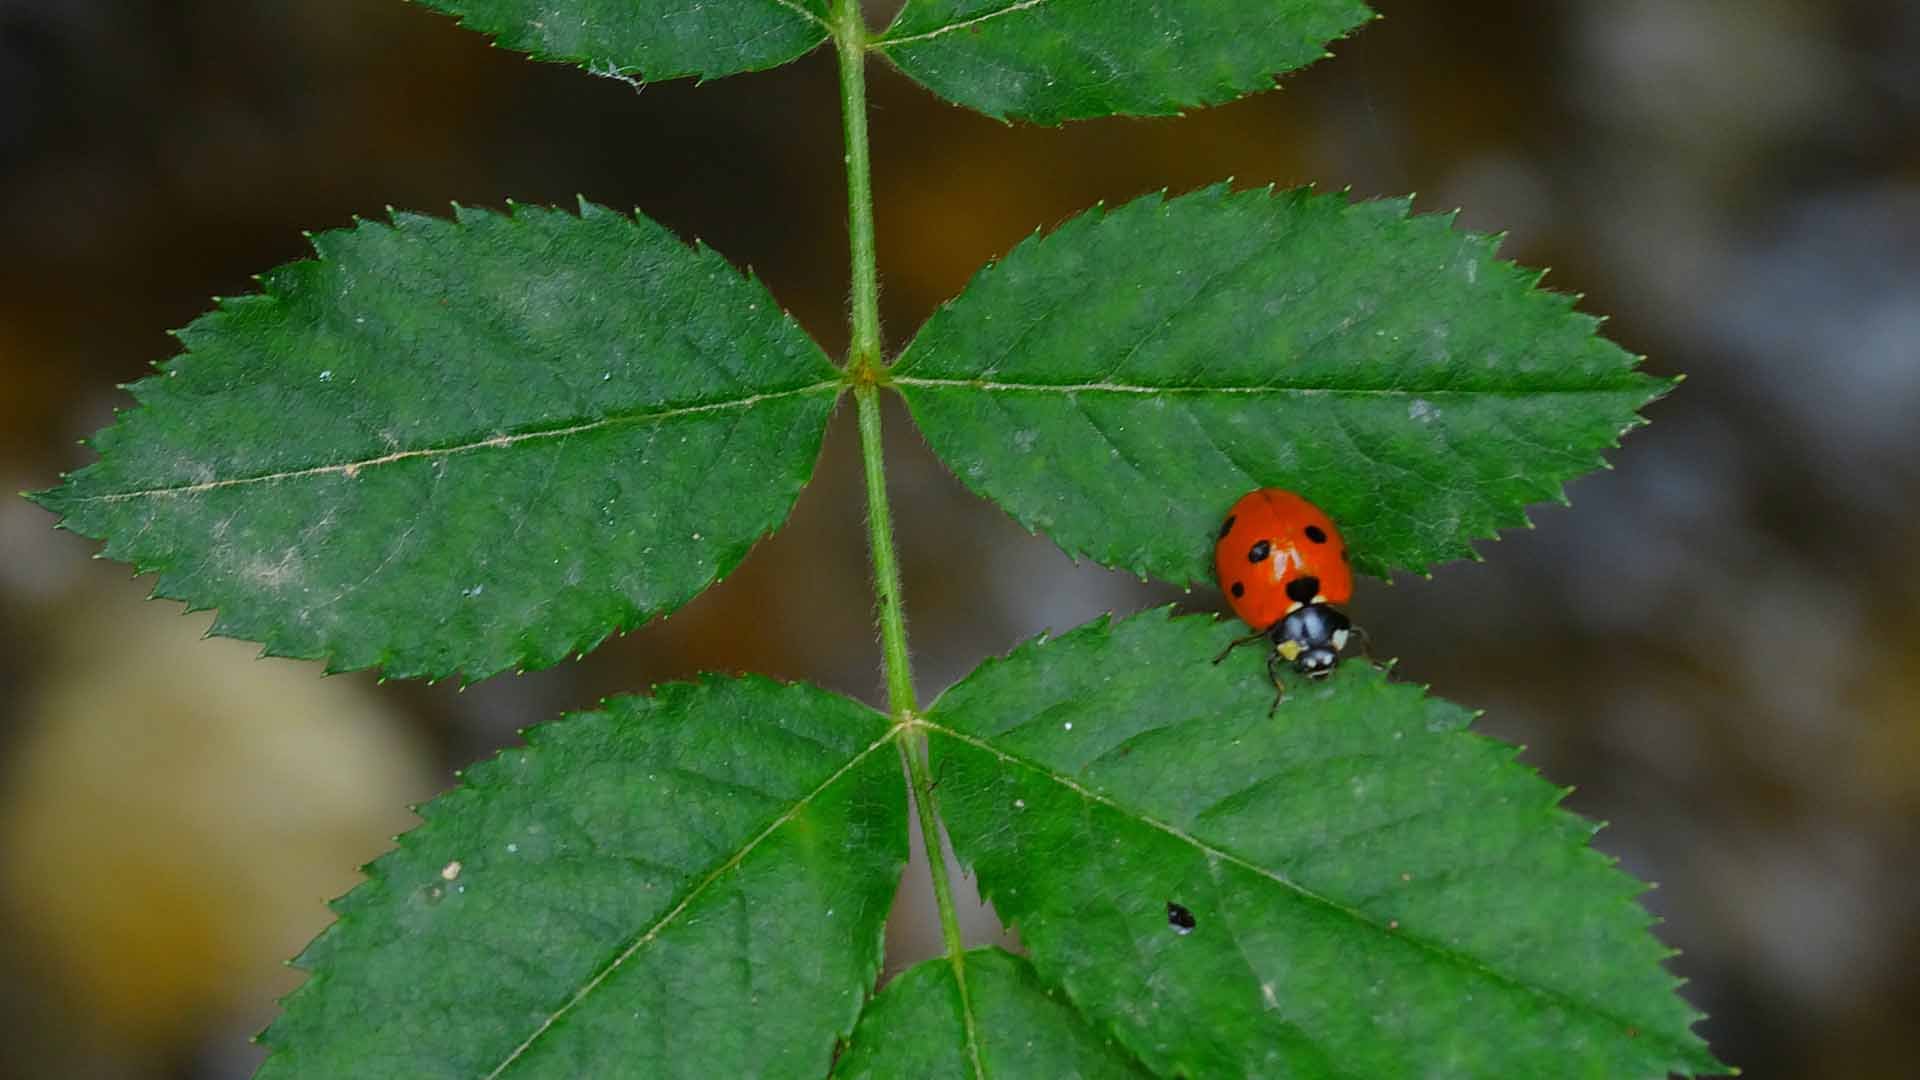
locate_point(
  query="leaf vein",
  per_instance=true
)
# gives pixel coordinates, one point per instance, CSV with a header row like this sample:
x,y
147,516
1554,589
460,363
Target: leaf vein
x,y
652,932
1441,952
803,12
992,386
1182,308
351,468
1010,9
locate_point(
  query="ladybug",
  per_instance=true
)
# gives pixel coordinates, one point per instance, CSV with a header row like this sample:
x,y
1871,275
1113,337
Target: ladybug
x,y
1285,569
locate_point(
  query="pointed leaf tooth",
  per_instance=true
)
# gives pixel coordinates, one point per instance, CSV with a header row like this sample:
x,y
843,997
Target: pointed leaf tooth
x,y
1404,885
706,40
370,525
1029,60
1221,341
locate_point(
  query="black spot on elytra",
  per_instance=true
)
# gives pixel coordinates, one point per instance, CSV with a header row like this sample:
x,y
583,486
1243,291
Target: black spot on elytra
x,y
1302,590
1180,918
1316,534
1226,526
1238,590
1260,551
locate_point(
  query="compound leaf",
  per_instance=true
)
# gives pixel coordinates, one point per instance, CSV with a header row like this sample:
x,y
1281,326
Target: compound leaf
x,y
688,885
1007,1024
1119,383
1363,887
1054,60
462,446
650,39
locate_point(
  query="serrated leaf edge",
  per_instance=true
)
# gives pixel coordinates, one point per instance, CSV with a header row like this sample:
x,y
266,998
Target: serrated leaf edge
x,y
399,221
593,65
898,373
476,782
1174,107
935,966
1104,625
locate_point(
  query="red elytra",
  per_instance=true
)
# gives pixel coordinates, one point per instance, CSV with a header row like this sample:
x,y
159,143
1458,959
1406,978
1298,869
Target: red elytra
x,y
1283,565
1278,552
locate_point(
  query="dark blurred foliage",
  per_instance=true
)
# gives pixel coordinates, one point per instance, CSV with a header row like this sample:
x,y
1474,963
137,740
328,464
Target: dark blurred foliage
x,y
1716,644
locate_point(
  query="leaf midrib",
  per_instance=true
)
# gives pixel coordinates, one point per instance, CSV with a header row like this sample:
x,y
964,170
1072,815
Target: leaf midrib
x,y
1278,389
652,932
806,14
1022,5
1441,952
495,442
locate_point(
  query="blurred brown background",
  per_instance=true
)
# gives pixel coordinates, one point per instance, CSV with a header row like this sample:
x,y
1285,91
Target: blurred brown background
x,y
1717,644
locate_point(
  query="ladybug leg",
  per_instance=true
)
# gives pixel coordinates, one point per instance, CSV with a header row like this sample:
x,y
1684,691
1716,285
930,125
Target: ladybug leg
x,y
1363,640
1237,642
1279,688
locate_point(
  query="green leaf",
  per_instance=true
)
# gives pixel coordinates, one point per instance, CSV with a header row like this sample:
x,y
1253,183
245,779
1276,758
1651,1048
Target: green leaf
x,y
918,1028
1375,890
1054,60
1119,383
462,446
650,39
690,885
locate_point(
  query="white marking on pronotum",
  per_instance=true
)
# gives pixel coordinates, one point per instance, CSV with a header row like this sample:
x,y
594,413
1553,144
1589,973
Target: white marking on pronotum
x,y
351,469
962,25
451,870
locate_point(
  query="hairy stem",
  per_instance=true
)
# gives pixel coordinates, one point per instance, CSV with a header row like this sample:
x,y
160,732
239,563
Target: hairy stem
x,y
864,369
850,41
901,700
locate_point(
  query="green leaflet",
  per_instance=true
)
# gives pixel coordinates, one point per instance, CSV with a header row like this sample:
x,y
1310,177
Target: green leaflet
x,y
917,1028
690,885
1118,383
1376,891
1054,60
650,39
462,446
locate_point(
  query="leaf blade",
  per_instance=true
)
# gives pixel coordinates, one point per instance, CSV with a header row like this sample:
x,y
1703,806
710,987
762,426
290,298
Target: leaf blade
x,y
651,39
914,1028
1119,382
545,463
1376,891
1049,61
723,852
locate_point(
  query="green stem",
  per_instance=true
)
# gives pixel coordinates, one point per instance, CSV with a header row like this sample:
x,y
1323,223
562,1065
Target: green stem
x,y
916,758
850,40
864,369
901,700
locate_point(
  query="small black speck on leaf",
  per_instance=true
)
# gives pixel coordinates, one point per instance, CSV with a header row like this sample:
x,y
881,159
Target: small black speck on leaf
x,y
1180,918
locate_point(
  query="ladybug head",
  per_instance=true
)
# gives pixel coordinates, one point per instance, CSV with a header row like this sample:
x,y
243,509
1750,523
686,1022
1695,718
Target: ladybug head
x,y
1311,637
